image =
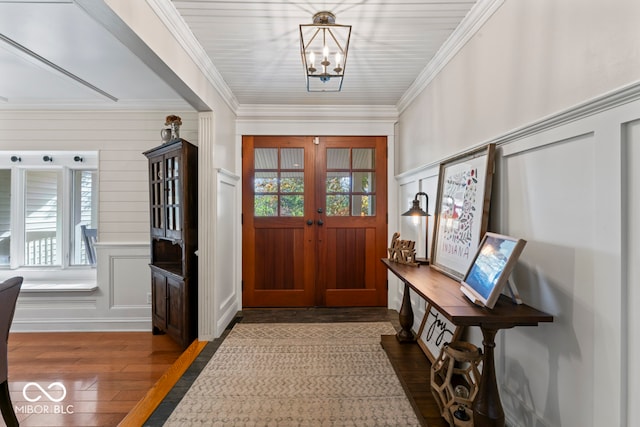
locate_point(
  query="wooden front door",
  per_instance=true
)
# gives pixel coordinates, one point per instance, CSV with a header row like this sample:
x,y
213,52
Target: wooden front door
x,y
314,221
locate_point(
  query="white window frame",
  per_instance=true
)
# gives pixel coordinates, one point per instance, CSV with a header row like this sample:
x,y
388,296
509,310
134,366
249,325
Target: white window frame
x,y
66,162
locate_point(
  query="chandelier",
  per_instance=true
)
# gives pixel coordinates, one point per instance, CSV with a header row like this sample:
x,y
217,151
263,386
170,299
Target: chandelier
x,y
323,46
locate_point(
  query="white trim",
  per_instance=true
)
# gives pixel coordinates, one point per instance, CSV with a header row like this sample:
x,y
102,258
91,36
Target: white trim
x,y
171,18
270,112
598,104
228,174
58,287
89,324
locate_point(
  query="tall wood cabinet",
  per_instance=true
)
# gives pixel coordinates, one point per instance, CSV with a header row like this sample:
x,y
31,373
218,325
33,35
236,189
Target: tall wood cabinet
x,y
173,199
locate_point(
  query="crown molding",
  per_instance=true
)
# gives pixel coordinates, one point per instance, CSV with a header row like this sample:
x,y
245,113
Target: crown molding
x,y
169,15
475,19
596,105
252,112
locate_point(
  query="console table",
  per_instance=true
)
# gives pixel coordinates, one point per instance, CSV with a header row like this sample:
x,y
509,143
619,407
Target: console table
x,y
444,293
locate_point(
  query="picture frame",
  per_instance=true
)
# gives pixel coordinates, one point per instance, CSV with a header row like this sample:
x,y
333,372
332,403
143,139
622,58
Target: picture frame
x,y
436,331
462,209
491,267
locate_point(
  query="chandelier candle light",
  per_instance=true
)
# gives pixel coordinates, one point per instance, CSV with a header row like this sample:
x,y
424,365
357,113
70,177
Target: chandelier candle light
x,y
321,43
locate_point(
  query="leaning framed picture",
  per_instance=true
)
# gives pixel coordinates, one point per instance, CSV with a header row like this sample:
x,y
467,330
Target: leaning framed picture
x,y
436,331
462,210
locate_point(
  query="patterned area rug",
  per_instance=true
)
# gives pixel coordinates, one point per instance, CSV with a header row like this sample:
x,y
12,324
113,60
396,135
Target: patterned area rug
x,y
284,374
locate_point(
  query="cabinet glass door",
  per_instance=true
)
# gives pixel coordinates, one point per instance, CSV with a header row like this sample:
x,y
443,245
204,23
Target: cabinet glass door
x,y
173,196
156,181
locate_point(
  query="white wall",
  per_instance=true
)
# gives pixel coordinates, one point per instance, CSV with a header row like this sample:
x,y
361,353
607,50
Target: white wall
x,y
555,85
532,59
123,278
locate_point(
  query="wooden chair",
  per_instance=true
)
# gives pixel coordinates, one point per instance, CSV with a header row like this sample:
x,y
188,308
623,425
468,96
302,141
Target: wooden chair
x,y
9,291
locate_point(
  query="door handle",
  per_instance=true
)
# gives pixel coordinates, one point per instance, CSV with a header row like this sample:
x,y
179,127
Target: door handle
x,y
320,222
309,222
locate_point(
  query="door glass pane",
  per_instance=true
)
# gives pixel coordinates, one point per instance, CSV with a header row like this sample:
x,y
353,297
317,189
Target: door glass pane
x,y
265,205
364,182
338,182
338,158
292,205
278,186
5,216
266,182
337,205
292,158
364,158
292,182
363,205
265,158
41,218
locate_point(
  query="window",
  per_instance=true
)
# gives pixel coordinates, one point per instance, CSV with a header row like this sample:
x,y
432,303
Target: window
x,y
45,208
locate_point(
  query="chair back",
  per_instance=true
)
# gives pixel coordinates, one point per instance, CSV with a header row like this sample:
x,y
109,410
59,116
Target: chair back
x,y
9,291
90,236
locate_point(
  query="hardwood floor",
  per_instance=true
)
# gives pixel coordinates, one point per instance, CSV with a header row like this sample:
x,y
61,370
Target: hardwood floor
x,y
104,374
112,378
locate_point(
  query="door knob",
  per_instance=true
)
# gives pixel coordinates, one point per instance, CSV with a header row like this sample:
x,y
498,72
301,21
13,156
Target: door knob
x,y
320,222
309,222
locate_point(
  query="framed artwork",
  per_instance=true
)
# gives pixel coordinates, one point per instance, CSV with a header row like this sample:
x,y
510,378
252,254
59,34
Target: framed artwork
x,y
462,210
435,331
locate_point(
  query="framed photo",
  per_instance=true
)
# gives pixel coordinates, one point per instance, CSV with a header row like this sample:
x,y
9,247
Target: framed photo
x,y
492,264
462,210
435,331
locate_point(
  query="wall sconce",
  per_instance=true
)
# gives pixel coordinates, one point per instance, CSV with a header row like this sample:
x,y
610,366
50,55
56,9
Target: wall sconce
x,y
15,159
78,159
416,212
48,159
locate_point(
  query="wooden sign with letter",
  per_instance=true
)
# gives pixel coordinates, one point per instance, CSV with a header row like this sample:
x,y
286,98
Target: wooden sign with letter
x,y
402,251
435,331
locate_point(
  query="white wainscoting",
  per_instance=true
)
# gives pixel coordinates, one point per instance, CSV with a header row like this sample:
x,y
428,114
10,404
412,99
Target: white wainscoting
x,y
631,268
120,302
219,249
571,190
228,288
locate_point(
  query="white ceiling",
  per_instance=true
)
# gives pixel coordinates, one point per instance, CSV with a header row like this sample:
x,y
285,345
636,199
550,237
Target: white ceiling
x,y
253,45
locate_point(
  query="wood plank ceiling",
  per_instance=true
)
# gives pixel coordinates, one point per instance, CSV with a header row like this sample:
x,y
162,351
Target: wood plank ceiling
x,y
253,45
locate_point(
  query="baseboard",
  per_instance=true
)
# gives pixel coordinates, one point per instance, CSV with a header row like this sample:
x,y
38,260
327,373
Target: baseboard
x,y
82,325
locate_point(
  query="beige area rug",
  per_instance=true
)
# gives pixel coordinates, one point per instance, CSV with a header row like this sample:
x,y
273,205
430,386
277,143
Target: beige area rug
x,y
311,374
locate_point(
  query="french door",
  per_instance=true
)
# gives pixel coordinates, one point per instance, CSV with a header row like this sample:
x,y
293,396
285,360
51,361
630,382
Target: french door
x,y
314,221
